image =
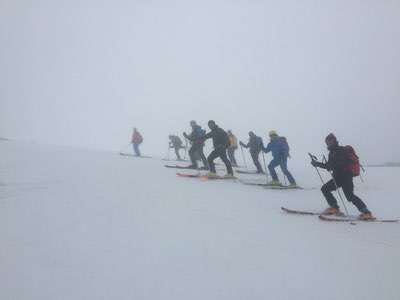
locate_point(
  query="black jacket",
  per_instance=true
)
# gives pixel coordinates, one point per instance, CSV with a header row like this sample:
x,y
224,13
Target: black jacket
x,y
255,144
337,161
219,137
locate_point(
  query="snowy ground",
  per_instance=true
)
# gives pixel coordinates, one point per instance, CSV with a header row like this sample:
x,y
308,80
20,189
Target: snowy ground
x,y
77,224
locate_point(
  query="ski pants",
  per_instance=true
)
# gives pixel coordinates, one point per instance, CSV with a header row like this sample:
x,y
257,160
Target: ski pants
x,y
177,148
254,156
282,162
136,149
221,153
197,149
231,155
344,181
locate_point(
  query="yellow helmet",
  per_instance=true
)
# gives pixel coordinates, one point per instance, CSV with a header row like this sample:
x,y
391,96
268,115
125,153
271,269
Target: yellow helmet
x,y
273,133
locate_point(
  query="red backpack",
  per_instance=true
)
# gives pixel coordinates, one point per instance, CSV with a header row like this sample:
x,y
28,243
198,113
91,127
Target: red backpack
x,y
354,163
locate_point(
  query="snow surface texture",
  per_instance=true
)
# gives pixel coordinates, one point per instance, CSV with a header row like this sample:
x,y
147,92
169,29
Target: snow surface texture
x,y
77,224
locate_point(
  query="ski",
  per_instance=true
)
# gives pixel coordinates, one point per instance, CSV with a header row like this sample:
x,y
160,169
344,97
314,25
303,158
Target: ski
x,y
133,155
248,172
273,187
354,219
253,183
206,177
300,212
183,167
166,159
282,187
189,175
178,167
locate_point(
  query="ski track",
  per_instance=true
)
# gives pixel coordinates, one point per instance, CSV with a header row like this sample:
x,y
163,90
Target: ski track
x,y
90,225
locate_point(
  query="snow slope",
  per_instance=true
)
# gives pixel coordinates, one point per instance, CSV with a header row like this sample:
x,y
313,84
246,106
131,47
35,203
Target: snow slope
x,y
78,224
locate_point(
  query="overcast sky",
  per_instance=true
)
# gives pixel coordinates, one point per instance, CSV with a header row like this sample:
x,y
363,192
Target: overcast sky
x,y
85,72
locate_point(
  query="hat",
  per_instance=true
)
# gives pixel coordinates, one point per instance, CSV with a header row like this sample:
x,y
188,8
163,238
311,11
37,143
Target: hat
x,y
331,137
273,133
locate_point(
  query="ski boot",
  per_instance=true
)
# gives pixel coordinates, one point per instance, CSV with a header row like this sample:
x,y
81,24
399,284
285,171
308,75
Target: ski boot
x,y
229,176
332,211
212,175
274,183
366,216
192,167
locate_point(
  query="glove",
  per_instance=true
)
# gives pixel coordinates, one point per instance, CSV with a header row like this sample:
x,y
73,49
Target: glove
x,y
314,163
241,144
185,135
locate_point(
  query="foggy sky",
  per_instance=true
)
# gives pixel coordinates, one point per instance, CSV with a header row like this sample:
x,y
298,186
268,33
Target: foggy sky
x,y
85,72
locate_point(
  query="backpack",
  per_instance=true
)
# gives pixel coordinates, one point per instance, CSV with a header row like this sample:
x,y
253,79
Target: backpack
x,y
225,138
139,138
200,132
285,144
353,161
233,141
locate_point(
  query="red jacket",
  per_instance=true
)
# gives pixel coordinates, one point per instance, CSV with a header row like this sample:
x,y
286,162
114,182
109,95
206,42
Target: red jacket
x,y
137,138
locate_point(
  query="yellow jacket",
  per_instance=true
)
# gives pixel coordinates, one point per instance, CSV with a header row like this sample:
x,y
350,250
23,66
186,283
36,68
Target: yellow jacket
x,y
233,143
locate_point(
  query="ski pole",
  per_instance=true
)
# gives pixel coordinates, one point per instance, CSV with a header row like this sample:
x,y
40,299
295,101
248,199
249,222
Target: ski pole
x,y
285,180
337,190
186,148
265,166
244,158
168,158
313,157
361,177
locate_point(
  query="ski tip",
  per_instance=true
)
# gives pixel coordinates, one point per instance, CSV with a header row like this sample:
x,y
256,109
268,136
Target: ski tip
x,y
188,175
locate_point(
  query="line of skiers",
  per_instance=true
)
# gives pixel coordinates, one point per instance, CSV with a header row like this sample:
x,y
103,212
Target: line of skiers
x,y
227,143
342,161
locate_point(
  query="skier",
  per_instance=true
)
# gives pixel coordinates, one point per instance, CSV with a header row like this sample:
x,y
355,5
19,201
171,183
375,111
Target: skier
x,y
256,145
341,161
136,140
196,138
233,145
220,142
279,148
176,143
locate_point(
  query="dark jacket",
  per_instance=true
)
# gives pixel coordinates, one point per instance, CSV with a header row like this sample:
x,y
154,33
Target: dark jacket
x,y
219,137
278,147
337,162
255,144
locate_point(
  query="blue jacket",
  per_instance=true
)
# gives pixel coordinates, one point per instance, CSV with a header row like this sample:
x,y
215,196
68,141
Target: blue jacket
x,y
278,147
197,135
